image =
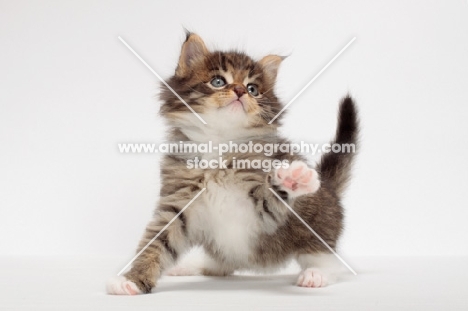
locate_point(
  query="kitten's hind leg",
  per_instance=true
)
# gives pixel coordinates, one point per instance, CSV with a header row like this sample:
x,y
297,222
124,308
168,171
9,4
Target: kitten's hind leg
x,y
298,179
318,270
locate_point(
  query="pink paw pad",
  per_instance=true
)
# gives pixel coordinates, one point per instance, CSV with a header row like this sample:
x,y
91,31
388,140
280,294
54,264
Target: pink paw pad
x,y
130,290
298,179
121,286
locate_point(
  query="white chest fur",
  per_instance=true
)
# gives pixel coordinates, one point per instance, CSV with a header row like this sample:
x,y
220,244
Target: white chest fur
x,y
227,218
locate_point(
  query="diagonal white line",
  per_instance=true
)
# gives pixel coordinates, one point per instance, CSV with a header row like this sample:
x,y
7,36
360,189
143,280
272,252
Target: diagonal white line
x,y
313,79
161,79
162,230
315,233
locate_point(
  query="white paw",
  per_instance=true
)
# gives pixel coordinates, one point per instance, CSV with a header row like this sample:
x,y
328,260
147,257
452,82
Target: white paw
x,y
183,271
298,179
312,277
121,286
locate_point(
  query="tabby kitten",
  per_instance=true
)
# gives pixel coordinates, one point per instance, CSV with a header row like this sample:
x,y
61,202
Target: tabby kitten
x,y
237,220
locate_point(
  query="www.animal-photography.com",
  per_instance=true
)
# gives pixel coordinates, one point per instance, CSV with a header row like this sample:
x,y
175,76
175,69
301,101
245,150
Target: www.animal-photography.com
x,y
208,155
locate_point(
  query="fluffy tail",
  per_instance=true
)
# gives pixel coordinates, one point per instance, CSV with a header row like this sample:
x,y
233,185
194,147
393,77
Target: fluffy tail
x,y
335,168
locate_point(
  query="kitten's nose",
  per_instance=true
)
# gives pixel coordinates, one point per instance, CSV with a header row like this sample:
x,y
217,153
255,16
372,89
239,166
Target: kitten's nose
x,y
239,90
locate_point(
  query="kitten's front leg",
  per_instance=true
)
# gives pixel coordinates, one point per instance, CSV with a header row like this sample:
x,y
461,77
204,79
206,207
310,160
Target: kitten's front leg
x,y
158,256
296,180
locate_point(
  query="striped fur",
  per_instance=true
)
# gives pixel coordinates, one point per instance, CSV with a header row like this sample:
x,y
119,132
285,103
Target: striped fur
x,y
237,220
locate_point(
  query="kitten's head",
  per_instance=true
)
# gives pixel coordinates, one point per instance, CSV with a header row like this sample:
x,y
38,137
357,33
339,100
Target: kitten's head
x,y
227,89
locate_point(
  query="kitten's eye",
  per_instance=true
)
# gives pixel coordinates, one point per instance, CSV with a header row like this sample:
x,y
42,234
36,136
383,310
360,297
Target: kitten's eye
x,y
218,82
253,89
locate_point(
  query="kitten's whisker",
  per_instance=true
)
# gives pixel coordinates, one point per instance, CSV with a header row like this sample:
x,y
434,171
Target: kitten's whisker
x,y
269,90
267,103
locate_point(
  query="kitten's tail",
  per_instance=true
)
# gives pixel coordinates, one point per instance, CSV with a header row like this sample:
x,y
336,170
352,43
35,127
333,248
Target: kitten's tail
x,y
335,168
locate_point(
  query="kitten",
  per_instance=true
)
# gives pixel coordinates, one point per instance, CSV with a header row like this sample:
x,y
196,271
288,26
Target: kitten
x,y
237,220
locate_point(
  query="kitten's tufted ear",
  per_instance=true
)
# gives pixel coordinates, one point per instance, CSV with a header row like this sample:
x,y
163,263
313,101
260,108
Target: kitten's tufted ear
x,y
193,49
270,65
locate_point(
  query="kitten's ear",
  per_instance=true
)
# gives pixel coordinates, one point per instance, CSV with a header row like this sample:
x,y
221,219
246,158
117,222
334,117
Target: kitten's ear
x,y
270,65
193,49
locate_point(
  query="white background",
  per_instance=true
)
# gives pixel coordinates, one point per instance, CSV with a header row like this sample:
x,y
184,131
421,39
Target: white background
x,y
70,92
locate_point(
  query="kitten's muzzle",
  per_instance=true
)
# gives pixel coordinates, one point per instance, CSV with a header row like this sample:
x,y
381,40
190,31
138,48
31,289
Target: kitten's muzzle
x,y
239,90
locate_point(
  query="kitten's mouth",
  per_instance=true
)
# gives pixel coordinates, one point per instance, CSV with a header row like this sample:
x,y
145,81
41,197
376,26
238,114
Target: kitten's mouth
x,y
236,105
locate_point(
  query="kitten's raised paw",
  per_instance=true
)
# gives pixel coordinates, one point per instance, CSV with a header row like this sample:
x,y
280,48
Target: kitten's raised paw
x,y
298,179
121,286
311,277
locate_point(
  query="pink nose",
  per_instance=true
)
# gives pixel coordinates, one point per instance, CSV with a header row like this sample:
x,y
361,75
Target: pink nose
x,y
239,90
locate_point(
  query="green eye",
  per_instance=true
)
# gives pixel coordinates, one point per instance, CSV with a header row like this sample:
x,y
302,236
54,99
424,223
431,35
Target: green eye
x,y
253,89
218,82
